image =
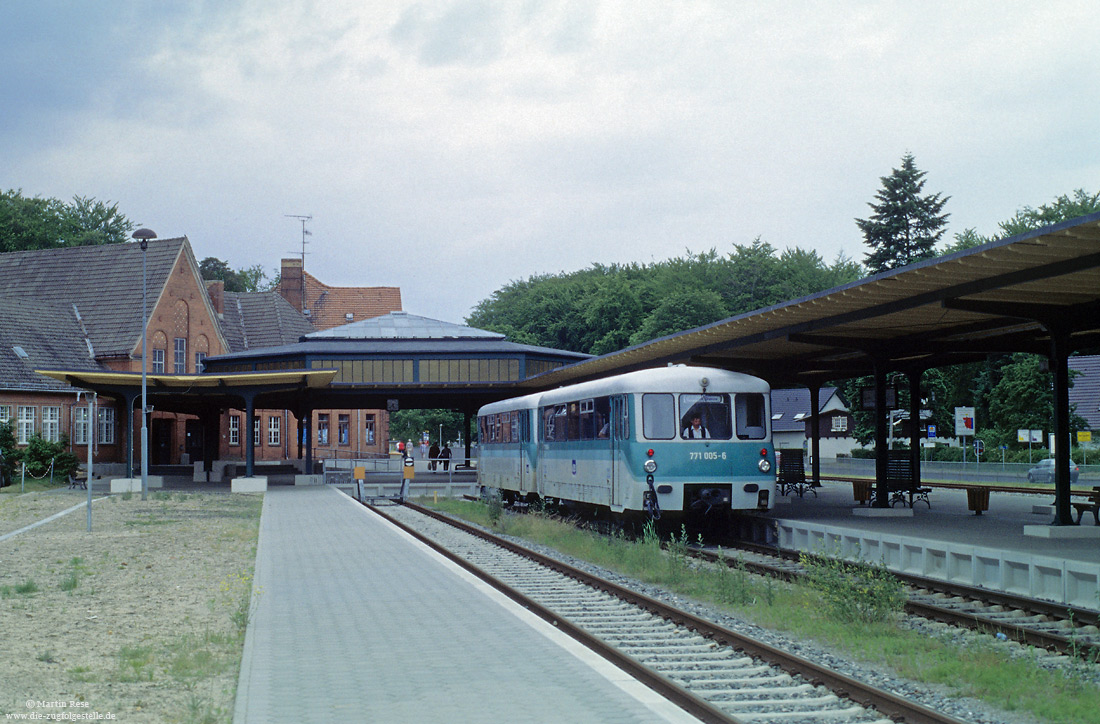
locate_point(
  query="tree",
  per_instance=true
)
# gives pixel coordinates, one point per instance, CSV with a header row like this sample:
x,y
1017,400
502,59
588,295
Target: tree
x,y
1063,208
411,424
905,226
37,223
682,310
250,279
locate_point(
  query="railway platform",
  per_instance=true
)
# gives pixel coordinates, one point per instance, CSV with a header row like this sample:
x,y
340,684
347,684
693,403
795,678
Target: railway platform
x,y
354,620
945,540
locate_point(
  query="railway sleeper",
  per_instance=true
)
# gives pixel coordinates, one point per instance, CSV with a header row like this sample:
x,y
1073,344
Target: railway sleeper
x,y
840,715
749,671
718,688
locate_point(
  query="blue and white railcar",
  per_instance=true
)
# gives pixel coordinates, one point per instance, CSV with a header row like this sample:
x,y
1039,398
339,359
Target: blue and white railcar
x,y
685,439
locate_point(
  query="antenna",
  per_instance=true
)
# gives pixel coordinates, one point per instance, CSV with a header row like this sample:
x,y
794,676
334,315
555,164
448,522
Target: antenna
x,y
305,232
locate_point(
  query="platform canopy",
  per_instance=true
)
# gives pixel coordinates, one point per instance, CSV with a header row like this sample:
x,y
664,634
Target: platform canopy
x,y
1007,296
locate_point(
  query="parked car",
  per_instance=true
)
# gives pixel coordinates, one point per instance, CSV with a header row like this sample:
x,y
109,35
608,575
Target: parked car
x,y
1044,472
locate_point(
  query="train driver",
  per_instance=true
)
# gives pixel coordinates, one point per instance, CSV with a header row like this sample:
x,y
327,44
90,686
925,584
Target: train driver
x,y
696,429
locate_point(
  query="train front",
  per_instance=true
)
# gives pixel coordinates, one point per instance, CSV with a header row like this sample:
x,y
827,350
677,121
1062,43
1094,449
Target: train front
x,y
709,451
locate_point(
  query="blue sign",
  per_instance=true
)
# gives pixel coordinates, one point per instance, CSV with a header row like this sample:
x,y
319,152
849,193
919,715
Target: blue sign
x,y
931,432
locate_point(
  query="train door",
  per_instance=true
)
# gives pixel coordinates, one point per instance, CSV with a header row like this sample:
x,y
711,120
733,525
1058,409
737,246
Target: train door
x,y
620,431
521,433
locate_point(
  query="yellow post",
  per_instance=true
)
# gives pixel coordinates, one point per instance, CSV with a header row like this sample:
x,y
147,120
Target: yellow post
x,y
435,497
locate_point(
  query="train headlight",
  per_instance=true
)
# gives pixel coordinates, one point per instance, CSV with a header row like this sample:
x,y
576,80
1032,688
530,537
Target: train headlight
x,y
764,466
650,466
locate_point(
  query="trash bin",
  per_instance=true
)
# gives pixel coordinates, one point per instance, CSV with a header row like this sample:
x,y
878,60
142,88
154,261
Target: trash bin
x,y
861,490
977,499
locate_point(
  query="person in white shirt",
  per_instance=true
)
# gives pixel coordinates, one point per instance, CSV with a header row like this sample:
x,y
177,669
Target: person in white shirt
x,y
696,430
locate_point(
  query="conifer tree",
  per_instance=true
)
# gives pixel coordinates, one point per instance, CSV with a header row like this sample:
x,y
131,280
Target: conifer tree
x,y
905,225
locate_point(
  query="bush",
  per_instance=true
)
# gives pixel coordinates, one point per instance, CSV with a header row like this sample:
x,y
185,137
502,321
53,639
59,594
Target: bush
x,y
854,592
40,452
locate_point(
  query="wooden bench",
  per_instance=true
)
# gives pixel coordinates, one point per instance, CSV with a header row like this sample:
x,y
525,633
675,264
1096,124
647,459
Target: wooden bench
x,y
1092,505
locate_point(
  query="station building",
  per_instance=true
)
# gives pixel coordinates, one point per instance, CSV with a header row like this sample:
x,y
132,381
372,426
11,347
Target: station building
x,y
81,309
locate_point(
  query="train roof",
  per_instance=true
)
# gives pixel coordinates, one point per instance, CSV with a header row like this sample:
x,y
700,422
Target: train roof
x,y
678,378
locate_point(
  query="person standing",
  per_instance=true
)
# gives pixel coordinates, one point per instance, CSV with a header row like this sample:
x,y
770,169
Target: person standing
x,y
445,456
433,456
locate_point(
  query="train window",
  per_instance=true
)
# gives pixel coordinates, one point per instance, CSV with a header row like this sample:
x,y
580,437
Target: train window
x,y
601,417
658,416
705,416
548,423
751,421
513,427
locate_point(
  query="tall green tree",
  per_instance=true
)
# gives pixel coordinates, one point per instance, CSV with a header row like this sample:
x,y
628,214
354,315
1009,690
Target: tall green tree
x,y
28,223
906,224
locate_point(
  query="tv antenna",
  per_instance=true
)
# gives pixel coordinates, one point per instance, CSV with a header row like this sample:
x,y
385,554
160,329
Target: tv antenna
x,y
305,232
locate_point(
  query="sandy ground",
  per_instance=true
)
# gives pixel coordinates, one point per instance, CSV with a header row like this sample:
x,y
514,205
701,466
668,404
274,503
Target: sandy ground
x,y
139,620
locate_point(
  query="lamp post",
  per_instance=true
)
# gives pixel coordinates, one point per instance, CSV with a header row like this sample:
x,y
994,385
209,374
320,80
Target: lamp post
x,y
143,236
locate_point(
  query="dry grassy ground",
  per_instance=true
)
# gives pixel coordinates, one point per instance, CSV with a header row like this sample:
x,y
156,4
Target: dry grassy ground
x,y
142,619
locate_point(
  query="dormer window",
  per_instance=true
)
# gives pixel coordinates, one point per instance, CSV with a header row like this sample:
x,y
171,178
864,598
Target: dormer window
x,y
349,316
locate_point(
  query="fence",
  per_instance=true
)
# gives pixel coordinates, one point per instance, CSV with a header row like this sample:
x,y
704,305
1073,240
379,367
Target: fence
x,y
988,472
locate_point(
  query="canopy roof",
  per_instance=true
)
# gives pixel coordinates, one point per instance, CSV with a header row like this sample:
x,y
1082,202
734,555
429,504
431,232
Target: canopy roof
x,y
1005,296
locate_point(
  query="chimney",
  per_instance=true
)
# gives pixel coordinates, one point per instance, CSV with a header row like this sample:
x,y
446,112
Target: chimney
x,y
216,291
292,282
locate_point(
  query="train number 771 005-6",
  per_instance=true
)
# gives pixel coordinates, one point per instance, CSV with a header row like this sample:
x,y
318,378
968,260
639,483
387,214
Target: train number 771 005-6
x,y
706,456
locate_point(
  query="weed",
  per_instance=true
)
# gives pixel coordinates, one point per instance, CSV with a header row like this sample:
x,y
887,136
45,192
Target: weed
x,y
496,508
854,592
135,663
127,495
70,582
27,587
82,674
47,657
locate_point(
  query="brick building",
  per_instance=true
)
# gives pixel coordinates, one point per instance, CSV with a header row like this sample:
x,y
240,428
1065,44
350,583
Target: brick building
x,y
340,433
81,308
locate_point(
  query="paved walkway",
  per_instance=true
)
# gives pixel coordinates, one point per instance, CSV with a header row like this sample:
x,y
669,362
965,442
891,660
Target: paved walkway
x,y
356,621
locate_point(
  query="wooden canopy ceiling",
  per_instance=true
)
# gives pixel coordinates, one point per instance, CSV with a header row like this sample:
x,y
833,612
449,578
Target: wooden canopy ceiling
x,y
1007,296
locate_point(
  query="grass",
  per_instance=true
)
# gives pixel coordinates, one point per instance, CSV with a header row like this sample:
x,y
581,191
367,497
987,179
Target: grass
x,y
974,666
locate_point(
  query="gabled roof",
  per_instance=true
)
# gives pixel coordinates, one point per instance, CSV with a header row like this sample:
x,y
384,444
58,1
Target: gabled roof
x,y
261,319
24,348
330,306
103,282
402,325
791,407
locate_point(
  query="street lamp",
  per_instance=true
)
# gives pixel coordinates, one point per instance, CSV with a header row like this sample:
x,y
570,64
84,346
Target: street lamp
x,y
143,236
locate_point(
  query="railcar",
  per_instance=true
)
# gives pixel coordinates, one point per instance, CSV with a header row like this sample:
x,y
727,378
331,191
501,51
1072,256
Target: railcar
x,y
673,439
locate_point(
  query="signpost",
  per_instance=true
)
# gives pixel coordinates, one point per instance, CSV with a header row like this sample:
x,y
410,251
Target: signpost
x,y
964,425
1029,436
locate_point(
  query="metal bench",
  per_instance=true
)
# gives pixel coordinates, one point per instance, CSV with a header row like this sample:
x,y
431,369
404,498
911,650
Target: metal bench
x,y
900,486
791,475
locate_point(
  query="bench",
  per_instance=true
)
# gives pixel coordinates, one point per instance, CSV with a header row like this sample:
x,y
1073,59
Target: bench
x,y
791,475
900,486
1092,505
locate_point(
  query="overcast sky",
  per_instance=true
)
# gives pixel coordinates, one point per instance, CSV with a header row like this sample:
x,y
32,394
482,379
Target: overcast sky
x,y
450,147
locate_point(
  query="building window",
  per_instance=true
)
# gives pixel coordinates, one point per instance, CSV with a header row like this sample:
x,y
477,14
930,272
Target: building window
x,y
106,420
200,362
322,428
180,357
51,423
234,429
158,361
273,431
840,423
255,431
368,432
80,425
342,425
5,413
24,424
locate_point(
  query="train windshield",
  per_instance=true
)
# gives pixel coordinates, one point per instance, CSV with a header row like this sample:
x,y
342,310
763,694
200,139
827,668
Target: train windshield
x,y
751,420
705,417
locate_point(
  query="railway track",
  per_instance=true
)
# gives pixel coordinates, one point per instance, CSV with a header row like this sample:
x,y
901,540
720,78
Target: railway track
x,y
714,673
1046,625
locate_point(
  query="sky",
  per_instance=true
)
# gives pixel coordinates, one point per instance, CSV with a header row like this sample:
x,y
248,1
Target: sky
x,y
450,147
